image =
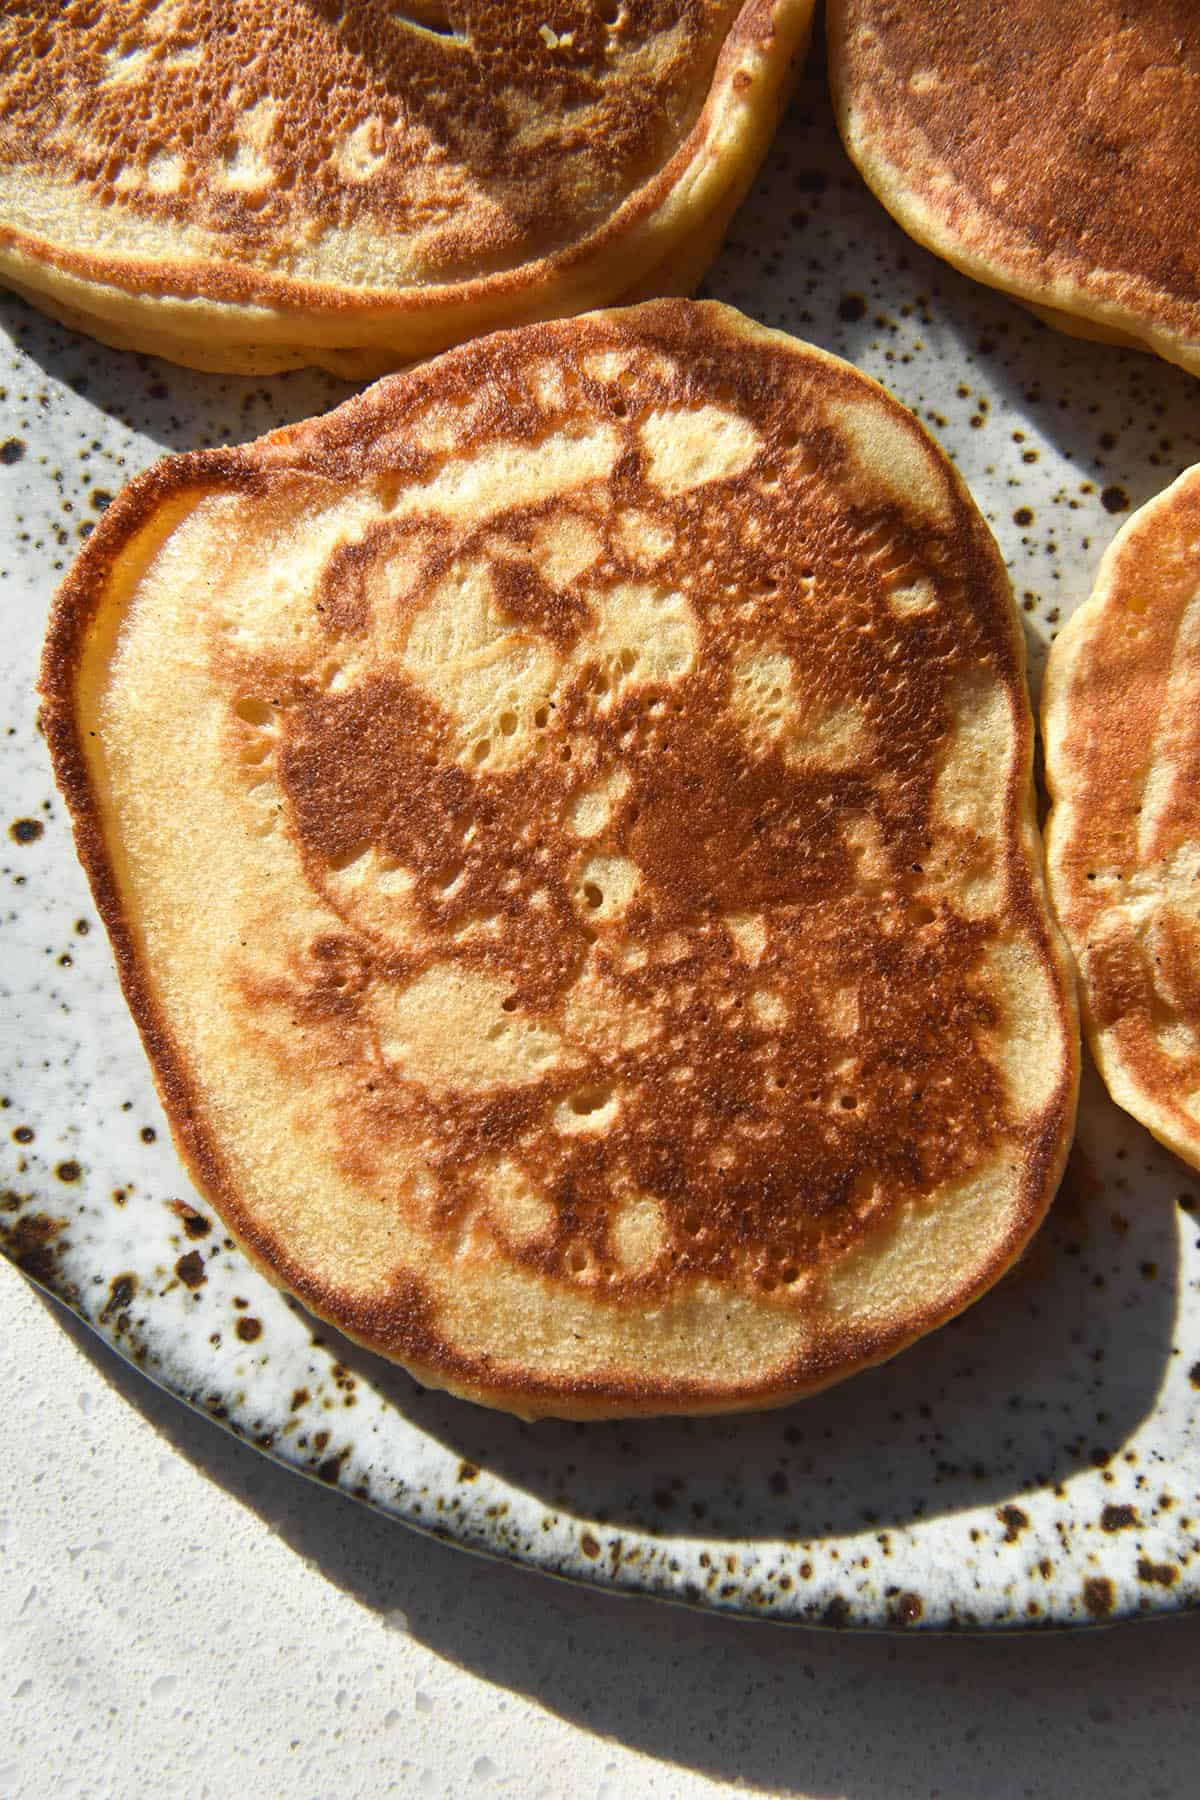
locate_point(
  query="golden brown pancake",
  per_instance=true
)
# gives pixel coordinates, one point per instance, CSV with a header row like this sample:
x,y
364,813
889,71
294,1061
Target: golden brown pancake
x,y
1122,729
565,825
281,182
1049,150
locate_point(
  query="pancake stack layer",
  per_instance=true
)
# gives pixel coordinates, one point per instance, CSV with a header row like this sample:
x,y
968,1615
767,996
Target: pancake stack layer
x,y
280,182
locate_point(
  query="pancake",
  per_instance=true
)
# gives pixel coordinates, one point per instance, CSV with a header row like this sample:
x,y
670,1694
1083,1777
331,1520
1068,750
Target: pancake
x,y
565,825
1052,151
1122,729
258,187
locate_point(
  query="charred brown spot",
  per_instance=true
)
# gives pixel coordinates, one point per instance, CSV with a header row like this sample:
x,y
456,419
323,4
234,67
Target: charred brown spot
x,y
1161,1574
194,1223
1118,1518
249,1330
1014,1522
1099,1596
26,831
121,1291
190,1269
30,1241
330,1470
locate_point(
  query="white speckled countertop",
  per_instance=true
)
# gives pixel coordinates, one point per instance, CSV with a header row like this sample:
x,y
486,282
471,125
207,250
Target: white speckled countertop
x,y
182,1617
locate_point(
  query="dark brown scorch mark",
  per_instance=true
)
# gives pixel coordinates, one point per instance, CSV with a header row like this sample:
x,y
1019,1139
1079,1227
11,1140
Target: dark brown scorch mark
x,y
1014,1522
1162,1574
194,1223
768,1144
121,1291
1099,1596
190,1269
31,1242
908,1609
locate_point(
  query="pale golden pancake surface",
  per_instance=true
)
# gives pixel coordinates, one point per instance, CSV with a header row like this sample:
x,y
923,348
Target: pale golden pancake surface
x,y
565,824
1050,150
256,186
1121,710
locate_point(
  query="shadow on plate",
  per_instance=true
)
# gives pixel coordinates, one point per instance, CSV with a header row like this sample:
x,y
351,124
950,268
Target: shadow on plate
x,y
181,409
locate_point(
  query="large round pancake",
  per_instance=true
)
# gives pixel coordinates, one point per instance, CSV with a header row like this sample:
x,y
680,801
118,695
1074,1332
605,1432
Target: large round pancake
x,y
283,183
1121,712
1052,151
565,824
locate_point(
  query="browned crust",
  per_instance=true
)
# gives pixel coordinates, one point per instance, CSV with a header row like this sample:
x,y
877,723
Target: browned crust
x,y
1107,702
400,1326
1051,152
510,294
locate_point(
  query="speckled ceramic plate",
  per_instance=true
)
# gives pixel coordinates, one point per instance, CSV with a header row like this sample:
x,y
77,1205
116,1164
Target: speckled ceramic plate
x,y
1037,1461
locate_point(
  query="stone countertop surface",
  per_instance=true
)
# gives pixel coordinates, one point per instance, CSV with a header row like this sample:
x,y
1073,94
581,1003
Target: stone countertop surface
x,y
182,1617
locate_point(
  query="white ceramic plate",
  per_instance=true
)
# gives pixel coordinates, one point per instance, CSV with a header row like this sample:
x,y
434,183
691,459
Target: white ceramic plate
x,y
1036,1462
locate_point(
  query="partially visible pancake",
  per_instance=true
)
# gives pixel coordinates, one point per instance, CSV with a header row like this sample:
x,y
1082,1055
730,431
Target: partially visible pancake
x,y
280,182
1049,150
1122,729
565,824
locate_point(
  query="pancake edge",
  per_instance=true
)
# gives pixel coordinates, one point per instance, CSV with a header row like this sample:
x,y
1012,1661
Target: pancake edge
x,y
1165,1122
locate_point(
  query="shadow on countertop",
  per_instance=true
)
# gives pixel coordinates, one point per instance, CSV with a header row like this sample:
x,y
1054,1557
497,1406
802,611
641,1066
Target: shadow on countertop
x,y
770,1709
